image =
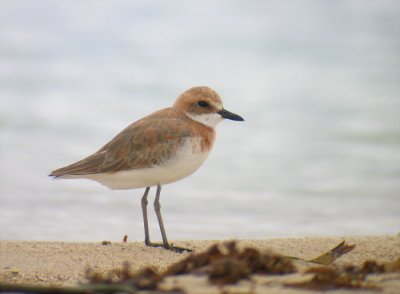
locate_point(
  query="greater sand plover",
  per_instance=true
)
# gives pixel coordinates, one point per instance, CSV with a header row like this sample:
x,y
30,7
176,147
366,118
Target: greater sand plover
x,y
163,147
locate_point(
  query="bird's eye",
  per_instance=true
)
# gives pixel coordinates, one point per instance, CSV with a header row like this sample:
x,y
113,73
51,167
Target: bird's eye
x,y
202,104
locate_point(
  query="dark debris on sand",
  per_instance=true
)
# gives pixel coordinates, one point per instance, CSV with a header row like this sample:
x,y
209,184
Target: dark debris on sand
x,y
145,279
227,264
346,277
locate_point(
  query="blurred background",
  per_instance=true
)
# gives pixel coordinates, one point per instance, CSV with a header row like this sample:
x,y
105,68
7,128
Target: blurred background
x,y
318,83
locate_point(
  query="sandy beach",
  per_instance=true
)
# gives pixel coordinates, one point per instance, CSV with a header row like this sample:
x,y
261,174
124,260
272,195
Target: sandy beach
x,y
65,263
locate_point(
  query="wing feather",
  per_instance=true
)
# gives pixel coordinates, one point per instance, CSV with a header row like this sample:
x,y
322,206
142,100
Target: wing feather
x,y
145,143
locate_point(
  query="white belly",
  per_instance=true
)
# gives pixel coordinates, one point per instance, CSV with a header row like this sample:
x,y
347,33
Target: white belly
x,y
188,159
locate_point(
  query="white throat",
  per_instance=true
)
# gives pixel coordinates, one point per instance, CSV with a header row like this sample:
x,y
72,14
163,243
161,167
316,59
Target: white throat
x,y
208,119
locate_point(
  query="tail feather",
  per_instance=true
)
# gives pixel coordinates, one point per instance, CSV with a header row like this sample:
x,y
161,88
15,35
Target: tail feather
x,y
88,165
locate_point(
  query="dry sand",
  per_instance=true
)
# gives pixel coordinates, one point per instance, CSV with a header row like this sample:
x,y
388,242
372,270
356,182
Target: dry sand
x,y
64,263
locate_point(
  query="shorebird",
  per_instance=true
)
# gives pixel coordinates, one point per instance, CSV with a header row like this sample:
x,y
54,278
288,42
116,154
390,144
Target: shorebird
x,y
163,147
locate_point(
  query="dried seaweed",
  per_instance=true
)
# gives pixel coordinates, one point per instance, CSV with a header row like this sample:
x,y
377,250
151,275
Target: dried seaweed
x,y
228,271
372,267
145,279
194,261
333,254
226,264
222,263
348,277
326,278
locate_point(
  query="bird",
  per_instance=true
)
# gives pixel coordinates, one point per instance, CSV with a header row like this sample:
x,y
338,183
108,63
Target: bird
x,y
158,149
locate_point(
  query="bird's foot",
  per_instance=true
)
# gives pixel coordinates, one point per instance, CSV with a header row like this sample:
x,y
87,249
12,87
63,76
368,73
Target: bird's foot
x,y
171,247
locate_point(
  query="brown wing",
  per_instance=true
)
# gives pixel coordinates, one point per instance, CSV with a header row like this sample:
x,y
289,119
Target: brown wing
x,y
147,142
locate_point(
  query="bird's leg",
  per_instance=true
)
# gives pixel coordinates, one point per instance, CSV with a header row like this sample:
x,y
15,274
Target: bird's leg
x,y
145,219
157,209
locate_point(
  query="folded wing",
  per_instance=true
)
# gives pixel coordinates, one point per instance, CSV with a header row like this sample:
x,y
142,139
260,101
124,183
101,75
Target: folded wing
x,y
145,143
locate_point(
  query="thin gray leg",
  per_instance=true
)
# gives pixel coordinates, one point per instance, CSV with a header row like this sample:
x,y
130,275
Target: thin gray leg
x,y
157,208
145,219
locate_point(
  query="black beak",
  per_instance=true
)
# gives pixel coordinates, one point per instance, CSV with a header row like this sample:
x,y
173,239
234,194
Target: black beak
x,y
229,115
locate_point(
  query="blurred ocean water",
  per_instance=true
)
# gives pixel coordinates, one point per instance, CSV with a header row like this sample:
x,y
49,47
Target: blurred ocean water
x,y
318,83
